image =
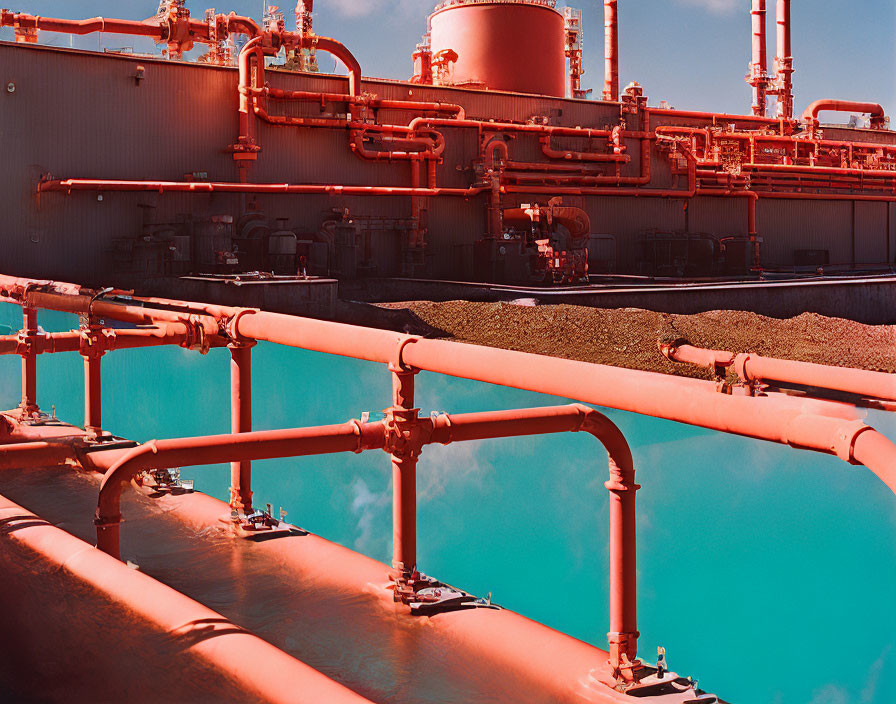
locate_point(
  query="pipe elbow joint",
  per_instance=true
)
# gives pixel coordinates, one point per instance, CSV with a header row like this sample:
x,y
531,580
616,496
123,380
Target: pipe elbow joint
x,y
610,436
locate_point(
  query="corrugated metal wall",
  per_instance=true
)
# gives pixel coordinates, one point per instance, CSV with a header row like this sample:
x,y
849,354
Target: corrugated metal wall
x,y
83,115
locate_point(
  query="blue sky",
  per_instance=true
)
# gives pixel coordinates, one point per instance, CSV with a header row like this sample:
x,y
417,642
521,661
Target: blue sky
x,y
693,53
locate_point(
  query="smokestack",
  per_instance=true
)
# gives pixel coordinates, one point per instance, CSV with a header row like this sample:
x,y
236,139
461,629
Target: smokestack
x,y
758,77
611,51
784,62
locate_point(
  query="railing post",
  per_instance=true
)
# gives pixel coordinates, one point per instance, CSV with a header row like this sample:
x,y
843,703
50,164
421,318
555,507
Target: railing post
x,y
29,361
240,422
92,350
623,635
402,419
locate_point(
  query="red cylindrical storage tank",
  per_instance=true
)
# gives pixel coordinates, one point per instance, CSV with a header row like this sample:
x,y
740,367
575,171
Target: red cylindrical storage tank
x,y
516,45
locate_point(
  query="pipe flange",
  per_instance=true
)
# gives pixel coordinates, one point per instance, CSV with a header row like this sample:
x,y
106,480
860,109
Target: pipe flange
x,y
106,521
356,426
435,416
845,440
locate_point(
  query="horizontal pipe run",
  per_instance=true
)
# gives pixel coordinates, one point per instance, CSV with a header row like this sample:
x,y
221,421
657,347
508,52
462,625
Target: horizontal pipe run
x,y
55,342
365,101
754,367
228,187
875,110
683,400
648,393
714,116
80,27
252,669
876,385
690,354
216,449
35,454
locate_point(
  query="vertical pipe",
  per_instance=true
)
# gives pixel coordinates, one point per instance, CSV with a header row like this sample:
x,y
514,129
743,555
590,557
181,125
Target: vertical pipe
x,y
759,65
414,234
404,474
752,199
29,363
623,635
784,61
93,409
611,51
240,422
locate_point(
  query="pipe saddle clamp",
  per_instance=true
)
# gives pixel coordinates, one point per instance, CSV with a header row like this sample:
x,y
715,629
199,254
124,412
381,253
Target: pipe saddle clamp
x,y
440,598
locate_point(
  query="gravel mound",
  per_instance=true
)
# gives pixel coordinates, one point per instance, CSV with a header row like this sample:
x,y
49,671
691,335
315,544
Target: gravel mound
x,y
629,337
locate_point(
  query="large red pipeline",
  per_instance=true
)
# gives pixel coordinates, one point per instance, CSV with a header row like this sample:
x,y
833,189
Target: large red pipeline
x,y
36,454
247,667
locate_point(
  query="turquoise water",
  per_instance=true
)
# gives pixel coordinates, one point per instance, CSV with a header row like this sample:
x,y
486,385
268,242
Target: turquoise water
x,y
768,573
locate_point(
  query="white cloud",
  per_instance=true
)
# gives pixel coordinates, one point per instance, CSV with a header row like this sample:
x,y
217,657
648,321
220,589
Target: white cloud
x,y
718,6
831,694
368,507
363,8
441,466
355,8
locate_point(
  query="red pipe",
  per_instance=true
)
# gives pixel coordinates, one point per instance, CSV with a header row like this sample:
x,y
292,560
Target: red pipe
x,y
404,428
753,367
784,62
647,393
611,50
403,434
878,117
494,165
341,52
216,449
29,362
227,187
241,422
623,634
713,116
758,77
207,644
55,342
35,454
249,51
93,399
365,101
562,154
88,26
683,352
